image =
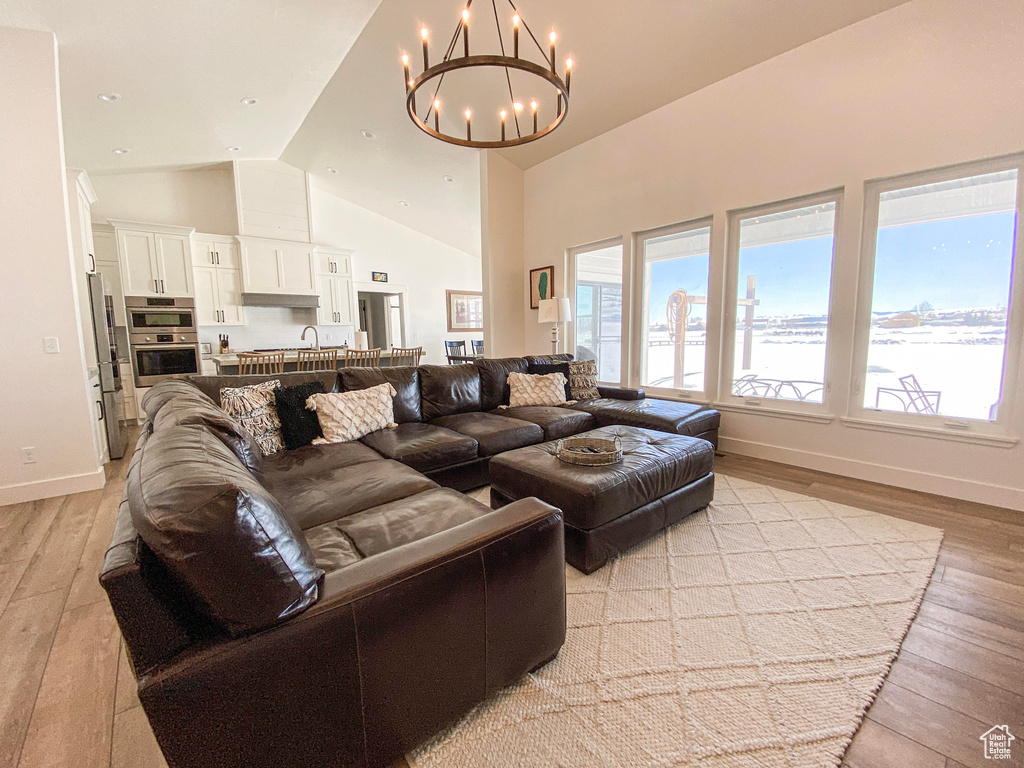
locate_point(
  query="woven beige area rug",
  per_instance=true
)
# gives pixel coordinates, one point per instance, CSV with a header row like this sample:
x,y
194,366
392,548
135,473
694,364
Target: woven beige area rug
x,y
755,633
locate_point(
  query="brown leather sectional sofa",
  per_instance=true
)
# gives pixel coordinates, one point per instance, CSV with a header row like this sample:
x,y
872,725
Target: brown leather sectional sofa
x,y
335,605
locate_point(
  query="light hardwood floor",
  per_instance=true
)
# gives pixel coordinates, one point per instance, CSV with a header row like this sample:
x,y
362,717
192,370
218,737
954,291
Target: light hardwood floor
x,y
67,695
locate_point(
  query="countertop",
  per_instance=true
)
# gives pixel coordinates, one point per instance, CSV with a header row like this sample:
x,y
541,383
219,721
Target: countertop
x,y
290,356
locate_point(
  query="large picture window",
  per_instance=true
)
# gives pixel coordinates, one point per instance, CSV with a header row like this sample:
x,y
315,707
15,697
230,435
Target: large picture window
x,y
781,265
597,274
942,271
676,263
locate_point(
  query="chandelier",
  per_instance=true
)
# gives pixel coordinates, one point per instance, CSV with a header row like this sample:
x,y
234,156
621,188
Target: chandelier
x,y
513,126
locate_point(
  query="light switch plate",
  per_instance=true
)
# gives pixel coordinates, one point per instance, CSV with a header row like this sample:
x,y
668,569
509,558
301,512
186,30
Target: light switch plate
x,y
51,345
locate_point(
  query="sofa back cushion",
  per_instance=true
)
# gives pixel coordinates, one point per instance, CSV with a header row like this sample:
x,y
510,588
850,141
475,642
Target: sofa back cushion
x,y
405,379
561,357
494,379
183,412
219,532
212,385
165,391
449,389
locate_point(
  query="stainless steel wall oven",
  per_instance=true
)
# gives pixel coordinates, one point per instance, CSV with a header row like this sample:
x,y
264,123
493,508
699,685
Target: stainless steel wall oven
x,y
163,338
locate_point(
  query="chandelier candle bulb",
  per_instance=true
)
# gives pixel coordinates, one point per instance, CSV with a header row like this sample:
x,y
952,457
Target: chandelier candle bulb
x,y
437,112
426,54
568,74
553,38
469,125
503,114
405,66
465,30
533,106
515,36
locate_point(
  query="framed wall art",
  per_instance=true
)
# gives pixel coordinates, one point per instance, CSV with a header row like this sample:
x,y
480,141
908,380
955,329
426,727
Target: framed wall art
x,y
542,285
465,311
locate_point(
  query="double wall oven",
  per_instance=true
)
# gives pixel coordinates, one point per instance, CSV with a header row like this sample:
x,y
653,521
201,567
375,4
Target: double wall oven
x,y
164,338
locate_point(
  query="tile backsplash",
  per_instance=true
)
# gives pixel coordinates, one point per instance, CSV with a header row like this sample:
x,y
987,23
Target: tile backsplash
x,y
271,327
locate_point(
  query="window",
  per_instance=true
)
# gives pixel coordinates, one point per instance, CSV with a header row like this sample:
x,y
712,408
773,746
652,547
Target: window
x,y
676,263
940,250
781,263
598,315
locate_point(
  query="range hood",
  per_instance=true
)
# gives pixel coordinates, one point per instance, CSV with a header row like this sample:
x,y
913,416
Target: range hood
x,y
295,300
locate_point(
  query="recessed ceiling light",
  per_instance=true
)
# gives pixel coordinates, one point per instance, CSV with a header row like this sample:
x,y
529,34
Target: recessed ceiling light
x,y
447,179
250,100
109,97
331,170
403,203
232,149
368,134
121,151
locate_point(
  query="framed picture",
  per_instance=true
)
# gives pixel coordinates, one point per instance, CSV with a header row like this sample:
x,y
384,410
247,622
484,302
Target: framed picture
x,y
379,277
542,285
465,310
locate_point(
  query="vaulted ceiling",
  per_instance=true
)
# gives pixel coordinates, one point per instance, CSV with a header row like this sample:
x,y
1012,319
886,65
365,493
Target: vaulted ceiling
x,y
325,72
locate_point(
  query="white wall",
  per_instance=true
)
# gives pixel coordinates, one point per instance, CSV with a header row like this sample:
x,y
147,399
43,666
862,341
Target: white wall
x,y
501,229
204,199
426,267
45,404
929,83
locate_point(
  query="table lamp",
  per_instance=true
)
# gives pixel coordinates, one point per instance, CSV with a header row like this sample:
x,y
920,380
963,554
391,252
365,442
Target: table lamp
x,y
554,311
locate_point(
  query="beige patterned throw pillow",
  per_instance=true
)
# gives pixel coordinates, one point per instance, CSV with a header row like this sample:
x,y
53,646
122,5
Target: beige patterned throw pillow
x,y
583,380
345,416
255,407
536,389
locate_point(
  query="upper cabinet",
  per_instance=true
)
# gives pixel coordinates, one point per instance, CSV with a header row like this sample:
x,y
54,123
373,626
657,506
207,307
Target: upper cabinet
x,y
272,199
218,280
155,260
277,266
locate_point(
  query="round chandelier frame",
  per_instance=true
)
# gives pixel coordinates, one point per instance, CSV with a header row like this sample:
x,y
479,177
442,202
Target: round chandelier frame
x,y
451,63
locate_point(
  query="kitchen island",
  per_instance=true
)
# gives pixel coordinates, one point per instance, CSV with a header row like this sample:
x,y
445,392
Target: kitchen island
x,y
227,364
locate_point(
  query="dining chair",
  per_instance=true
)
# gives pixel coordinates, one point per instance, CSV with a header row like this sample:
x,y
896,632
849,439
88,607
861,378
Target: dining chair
x,y
318,360
260,363
478,347
406,355
454,349
362,358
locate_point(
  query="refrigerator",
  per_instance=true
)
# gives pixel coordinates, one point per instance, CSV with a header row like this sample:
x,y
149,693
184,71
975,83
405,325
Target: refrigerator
x,y
111,392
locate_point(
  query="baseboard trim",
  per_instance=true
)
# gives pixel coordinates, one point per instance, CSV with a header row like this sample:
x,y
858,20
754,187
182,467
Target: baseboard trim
x,y
58,486
954,487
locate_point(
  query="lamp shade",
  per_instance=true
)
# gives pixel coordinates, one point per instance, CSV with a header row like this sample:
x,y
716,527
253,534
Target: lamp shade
x,y
554,311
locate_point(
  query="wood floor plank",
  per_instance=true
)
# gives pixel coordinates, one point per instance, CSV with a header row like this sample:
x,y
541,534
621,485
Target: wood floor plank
x,y
1004,612
875,746
72,722
973,582
85,585
973,660
55,561
28,527
27,629
971,629
1002,566
967,695
134,745
127,695
930,724
10,576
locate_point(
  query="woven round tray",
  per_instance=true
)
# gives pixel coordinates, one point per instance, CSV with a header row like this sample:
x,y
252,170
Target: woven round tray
x,y
589,451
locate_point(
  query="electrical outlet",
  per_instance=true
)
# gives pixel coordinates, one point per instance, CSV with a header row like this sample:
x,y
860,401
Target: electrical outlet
x,y
51,345
28,455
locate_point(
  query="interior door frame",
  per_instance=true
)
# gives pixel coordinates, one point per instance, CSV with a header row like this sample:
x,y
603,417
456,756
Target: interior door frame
x,y
385,288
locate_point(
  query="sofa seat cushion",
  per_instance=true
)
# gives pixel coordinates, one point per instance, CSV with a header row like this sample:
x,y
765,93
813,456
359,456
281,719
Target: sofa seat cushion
x,y
391,525
317,460
494,434
312,500
219,532
422,446
557,422
662,415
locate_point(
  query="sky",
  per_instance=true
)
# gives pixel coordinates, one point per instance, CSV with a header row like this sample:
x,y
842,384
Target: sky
x,y
952,264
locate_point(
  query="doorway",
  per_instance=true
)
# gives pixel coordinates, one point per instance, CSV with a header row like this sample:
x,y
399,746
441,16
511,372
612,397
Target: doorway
x,y
382,316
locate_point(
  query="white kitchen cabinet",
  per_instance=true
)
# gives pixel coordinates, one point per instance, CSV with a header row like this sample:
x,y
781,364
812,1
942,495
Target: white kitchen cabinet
x,y
333,262
218,296
155,260
215,251
337,302
277,266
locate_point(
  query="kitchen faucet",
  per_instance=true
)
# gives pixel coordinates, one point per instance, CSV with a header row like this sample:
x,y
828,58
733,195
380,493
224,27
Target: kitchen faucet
x,y
316,335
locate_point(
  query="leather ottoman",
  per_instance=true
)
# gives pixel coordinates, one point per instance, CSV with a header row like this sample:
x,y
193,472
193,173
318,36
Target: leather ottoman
x,y
661,479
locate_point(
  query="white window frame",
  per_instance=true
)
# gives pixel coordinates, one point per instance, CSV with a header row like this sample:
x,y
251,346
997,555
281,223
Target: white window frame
x,y
966,430
642,299
570,283
814,411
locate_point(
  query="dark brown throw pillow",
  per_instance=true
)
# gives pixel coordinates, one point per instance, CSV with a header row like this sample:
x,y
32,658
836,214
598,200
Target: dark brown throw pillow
x,y
299,426
542,369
